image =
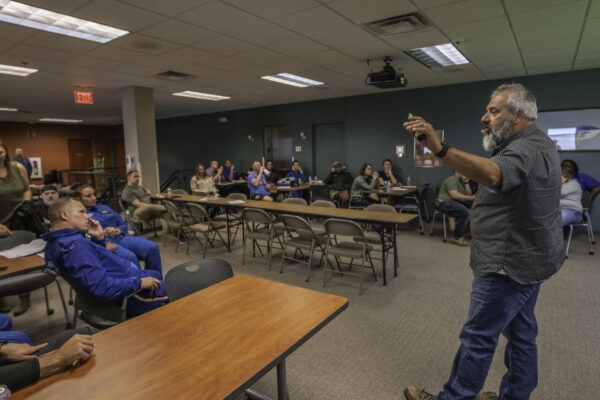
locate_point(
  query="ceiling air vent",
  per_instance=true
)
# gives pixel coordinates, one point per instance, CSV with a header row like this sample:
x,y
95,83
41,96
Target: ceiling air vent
x,y
399,25
173,76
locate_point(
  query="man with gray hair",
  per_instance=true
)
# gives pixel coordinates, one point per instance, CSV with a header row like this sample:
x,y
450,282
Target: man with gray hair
x,y
516,244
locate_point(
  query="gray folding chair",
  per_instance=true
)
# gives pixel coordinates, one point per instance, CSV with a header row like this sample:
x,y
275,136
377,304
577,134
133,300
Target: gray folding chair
x,y
258,226
317,223
196,275
28,282
179,191
349,249
295,200
234,217
585,223
300,236
177,223
203,224
135,223
374,238
412,203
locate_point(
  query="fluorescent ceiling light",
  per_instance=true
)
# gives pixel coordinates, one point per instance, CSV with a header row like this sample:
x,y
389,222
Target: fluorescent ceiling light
x,y
201,96
33,17
443,55
292,80
18,71
8,109
65,120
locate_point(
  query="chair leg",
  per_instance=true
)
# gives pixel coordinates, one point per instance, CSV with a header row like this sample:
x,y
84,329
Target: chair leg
x,y
64,304
49,311
569,241
444,221
590,240
244,249
270,252
432,223
312,248
75,315
207,240
372,266
70,296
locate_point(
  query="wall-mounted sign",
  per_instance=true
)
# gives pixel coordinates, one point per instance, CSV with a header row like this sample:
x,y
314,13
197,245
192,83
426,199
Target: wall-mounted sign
x,y
86,97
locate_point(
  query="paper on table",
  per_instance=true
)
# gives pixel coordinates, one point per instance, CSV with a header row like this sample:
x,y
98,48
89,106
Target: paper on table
x,y
399,188
236,201
42,254
22,250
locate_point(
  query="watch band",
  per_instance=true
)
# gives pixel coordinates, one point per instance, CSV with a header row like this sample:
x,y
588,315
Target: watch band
x,y
443,151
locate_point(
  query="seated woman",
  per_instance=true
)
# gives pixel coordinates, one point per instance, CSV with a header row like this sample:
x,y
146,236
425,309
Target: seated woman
x,y
367,179
587,182
570,199
201,183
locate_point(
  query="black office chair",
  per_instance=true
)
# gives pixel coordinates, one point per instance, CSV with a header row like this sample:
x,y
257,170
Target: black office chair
x,y
196,275
28,282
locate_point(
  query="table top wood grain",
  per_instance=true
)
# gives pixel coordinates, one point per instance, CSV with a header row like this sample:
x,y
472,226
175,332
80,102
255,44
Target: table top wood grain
x,y
283,208
21,265
213,344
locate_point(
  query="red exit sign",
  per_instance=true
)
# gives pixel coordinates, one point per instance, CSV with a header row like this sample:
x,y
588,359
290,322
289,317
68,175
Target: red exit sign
x,y
83,97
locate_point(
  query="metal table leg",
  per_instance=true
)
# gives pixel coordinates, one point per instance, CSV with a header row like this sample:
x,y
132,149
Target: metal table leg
x,y
395,250
282,389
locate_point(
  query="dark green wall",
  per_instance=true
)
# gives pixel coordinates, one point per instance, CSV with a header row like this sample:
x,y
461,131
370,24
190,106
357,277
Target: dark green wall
x,y
373,124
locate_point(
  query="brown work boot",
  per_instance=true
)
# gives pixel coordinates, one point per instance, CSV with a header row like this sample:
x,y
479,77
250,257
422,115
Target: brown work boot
x,y
412,393
451,224
459,242
487,396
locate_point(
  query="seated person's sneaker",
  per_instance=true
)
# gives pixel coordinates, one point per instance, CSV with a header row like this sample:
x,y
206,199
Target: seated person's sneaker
x,y
487,396
412,393
459,242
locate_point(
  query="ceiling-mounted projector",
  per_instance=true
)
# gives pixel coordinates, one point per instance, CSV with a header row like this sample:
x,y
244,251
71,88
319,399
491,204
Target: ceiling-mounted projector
x,y
387,78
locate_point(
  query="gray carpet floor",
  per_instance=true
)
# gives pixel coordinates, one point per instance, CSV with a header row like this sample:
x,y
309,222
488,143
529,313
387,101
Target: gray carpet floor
x,y
407,332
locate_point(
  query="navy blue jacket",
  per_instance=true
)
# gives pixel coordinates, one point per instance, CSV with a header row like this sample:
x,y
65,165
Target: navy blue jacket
x,y
95,268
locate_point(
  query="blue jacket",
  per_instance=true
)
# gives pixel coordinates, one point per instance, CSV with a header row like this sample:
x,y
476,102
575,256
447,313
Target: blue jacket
x,y
95,268
108,218
299,178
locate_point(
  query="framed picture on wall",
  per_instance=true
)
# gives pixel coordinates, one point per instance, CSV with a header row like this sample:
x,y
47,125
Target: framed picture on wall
x,y
36,168
423,157
400,150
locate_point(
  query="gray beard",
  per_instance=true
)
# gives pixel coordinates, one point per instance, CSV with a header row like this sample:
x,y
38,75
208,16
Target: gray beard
x,y
495,137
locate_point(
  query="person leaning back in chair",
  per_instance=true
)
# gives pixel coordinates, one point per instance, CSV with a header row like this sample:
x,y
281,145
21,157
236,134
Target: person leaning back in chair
x,y
93,267
138,199
517,243
340,181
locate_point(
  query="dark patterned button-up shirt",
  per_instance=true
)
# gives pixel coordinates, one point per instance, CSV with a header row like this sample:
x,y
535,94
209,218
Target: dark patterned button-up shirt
x,y
516,228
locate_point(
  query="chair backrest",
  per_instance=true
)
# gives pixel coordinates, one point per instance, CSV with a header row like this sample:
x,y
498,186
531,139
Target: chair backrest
x,y
323,203
237,196
172,210
195,275
200,194
179,191
588,198
16,238
198,212
256,215
381,207
343,227
295,200
122,205
89,304
299,226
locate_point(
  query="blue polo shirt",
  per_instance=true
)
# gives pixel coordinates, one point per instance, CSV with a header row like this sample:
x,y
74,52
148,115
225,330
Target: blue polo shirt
x,y
227,171
107,217
296,179
587,182
261,188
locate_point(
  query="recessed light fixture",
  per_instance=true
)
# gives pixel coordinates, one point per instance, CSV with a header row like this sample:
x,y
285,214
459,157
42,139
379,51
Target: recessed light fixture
x,y
292,80
201,96
443,55
8,109
64,120
17,71
17,13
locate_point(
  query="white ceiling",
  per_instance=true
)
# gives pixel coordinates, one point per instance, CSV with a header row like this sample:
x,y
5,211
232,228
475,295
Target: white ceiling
x,y
228,44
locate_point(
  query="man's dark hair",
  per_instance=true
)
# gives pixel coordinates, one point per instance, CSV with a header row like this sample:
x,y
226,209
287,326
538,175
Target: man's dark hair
x,y
572,165
80,189
295,162
131,171
363,167
386,159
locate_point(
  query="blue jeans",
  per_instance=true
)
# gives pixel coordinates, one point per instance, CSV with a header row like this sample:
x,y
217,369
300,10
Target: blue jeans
x,y
136,248
460,212
570,216
498,305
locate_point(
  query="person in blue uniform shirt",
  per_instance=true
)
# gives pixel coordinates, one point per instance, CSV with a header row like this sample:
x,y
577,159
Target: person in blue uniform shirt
x,y
257,183
297,178
20,158
76,249
229,172
133,248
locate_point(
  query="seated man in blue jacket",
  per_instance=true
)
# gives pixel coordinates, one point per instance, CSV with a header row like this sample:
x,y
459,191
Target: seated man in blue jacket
x,y
133,248
91,265
298,178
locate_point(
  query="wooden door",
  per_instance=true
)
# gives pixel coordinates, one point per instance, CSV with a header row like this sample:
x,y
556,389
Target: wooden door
x,y
80,154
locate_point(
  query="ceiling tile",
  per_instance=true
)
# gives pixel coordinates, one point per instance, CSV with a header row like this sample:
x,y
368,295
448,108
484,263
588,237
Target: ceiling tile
x,y
227,64
60,42
5,45
465,12
325,58
519,6
119,15
117,54
178,32
504,72
547,16
169,8
144,44
270,9
559,59
282,41
427,37
37,53
591,33
94,62
260,56
190,55
315,22
220,17
59,6
356,10
588,62
594,9
555,38
223,45
425,4
489,27
15,33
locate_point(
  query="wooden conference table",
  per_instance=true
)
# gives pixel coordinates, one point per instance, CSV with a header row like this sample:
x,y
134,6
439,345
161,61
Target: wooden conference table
x,y
21,265
213,344
380,220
